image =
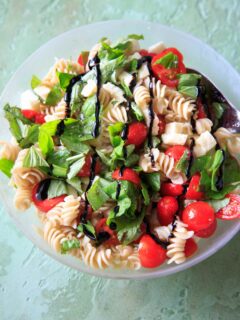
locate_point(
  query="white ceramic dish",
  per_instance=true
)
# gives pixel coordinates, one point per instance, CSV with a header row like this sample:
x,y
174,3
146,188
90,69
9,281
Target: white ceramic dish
x,y
197,55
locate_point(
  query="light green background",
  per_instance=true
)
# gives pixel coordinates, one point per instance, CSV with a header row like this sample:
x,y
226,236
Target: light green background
x,y
32,285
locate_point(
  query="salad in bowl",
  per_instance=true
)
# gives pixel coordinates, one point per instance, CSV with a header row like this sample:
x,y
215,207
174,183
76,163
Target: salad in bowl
x,y
121,156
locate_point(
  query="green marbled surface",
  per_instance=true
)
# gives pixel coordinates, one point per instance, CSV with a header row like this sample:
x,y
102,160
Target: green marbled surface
x,y
32,285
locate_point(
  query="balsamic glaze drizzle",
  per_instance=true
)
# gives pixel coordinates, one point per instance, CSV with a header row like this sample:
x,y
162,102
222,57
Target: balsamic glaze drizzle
x,y
60,128
163,244
219,182
68,94
42,191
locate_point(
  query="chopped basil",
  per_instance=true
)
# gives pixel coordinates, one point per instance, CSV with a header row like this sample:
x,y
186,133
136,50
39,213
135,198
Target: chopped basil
x,y
145,194
6,166
169,60
75,183
76,98
54,96
35,82
126,89
152,180
218,111
64,79
182,164
31,136
137,112
59,157
190,91
68,245
136,36
60,172
188,79
96,195
76,166
56,188
46,131
83,227
34,159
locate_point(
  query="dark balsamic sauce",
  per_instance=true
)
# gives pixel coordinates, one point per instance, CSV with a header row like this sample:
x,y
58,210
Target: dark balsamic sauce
x,y
95,63
191,159
60,128
42,191
124,135
163,244
219,182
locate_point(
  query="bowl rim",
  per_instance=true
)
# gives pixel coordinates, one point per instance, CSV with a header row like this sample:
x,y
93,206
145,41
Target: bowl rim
x,y
152,273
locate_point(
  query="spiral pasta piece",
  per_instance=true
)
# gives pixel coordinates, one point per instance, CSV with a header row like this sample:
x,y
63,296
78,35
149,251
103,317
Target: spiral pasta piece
x,y
163,163
126,256
23,198
66,212
61,65
96,257
175,250
55,235
115,113
56,113
9,150
160,93
115,92
141,96
181,106
25,177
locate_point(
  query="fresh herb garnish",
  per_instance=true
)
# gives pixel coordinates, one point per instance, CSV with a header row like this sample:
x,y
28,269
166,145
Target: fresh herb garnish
x,y
6,166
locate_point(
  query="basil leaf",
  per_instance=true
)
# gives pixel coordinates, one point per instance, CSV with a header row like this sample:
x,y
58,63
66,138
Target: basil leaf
x,y
136,36
231,172
114,131
75,183
83,227
60,172
218,111
6,166
64,79
54,96
145,194
133,65
31,137
182,164
59,157
190,91
108,67
200,163
56,188
152,180
35,82
76,98
217,161
76,167
45,142
218,204
137,112
169,60
68,245
34,159
126,89
188,79
96,195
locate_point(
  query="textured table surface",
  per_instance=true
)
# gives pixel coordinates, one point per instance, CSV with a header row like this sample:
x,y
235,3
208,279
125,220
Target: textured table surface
x,y
32,285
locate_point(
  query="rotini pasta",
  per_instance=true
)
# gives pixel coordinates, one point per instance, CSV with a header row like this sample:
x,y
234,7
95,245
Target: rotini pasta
x,y
203,125
181,106
23,198
9,150
56,113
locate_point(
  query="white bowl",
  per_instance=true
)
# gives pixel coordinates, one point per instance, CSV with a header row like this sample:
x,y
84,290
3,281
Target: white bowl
x,y
197,55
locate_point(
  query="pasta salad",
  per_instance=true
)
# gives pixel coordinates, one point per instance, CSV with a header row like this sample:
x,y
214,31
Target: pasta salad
x,y
121,156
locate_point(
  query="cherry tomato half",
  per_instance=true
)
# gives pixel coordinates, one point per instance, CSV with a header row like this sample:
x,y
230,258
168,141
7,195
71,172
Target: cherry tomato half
x,y
198,216
34,116
171,189
166,209
232,210
201,114
193,192
190,247
206,233
145,53
85,171
47,204
101,226
151,254
128,174
176,152
137,133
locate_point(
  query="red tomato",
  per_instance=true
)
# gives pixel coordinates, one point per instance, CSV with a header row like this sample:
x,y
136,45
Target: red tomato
x,y
201,114
166,209
168,76
198,216
151,254
193,192
144,53
206,233
232,210
171,189
40,118
176,152
80,60
190,247
128,174
34,116
161,124
137,133
47,204
85,171
103,227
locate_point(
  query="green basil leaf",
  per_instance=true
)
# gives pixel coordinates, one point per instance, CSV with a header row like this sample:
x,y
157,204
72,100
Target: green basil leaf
x,y
56,188
54,96
217,161
145,194
108,67
169,60
136,36
96,195
182,164
64,79
188,80
76,167
59,157
83,227
218,111
126,89
76,184
35,82
31,137
6,166
34,159
137,112
218,204
60,172
231,172
200,164
68,245
190,91
133,64
152,180
45,142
